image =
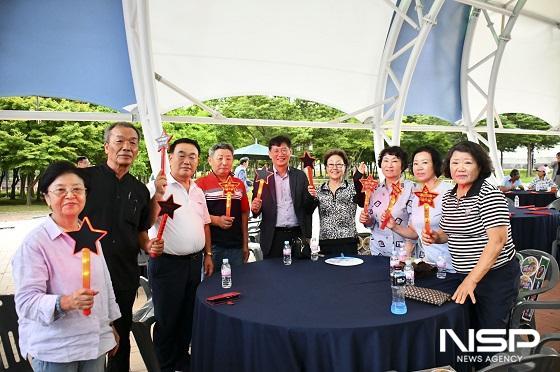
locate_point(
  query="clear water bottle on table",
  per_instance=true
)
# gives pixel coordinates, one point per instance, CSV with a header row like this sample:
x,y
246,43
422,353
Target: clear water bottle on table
x,y
398,305
314,247
394,262
516,201
409,272
441,274
287,253
226,273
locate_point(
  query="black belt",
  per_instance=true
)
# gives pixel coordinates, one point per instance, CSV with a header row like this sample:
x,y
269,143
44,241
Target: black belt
x,y
191,256
288,229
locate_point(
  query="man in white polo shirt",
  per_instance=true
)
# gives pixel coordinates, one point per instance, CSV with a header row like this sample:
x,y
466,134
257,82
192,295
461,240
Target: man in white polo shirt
x,y
175,275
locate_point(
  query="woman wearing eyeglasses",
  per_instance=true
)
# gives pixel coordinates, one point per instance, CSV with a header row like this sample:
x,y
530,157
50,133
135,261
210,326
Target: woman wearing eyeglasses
x,y
336,199
393,193
53,332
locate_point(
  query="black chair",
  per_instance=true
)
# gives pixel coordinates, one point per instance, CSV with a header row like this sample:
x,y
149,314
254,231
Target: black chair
x,y
9,337
536,362
551,278
142,321
554,205
146,287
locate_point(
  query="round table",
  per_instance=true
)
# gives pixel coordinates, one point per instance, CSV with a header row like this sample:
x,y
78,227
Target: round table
x,y
536,198
316,317
534,228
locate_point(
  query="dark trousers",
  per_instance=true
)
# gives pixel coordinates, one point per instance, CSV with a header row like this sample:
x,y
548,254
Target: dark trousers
x,y
174,280
495,296
121,361
282,234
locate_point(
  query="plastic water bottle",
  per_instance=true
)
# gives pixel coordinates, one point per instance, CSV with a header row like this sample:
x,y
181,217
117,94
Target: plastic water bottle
x,y
402,254
314,247
287,253
394,262
398,306
409,272
226,273
441,274
516,201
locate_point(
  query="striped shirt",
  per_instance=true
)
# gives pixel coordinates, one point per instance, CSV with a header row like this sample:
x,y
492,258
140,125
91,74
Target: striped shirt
x,y
466,220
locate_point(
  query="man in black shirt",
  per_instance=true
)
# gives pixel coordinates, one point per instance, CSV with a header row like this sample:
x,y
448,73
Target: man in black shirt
x,y
120,204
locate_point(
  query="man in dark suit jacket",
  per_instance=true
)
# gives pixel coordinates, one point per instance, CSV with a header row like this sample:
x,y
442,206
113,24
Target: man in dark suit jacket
x,y
285,203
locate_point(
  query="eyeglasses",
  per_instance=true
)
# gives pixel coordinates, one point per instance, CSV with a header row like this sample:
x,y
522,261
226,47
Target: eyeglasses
x,y
278,150
61,191
337,165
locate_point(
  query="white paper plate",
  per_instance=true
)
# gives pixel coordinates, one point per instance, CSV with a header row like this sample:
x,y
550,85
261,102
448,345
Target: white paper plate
x,y
344,261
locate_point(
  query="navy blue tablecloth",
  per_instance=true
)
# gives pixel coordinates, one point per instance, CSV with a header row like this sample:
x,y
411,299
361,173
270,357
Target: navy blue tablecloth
x,y
536,198
312,316
534,231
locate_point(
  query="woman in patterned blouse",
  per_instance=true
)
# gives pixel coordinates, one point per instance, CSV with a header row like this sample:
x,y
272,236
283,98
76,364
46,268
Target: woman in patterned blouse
x,y
393,162
336,199
426,168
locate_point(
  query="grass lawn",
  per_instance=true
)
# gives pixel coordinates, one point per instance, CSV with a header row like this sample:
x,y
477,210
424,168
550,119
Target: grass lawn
x,y
17,206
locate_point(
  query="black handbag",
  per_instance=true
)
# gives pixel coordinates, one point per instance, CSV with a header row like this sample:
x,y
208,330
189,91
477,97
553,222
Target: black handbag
x,y
300,248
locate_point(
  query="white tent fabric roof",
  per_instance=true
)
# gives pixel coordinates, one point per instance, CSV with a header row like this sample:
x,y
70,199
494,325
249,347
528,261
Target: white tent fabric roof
x,y
529,77
324,51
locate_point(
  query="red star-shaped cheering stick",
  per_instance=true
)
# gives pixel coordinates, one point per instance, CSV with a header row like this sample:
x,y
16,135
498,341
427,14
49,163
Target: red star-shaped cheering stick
x,y
86,239
426,198
167,209
308,163
229,187
263,175
396,190
369,185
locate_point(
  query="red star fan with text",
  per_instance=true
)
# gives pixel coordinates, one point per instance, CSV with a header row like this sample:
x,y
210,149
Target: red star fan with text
x,y
167,209
426,198
229,187
369,185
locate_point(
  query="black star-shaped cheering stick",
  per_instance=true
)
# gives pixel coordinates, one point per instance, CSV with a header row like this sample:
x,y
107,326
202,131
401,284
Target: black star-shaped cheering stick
x,y
308,163
263,175
86,239
167,209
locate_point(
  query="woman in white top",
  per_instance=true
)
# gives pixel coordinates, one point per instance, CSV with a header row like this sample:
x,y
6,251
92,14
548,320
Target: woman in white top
x,y
393,162
426,168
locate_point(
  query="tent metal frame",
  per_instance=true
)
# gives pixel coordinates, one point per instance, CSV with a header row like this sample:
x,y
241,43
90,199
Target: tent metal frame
x,y
387,112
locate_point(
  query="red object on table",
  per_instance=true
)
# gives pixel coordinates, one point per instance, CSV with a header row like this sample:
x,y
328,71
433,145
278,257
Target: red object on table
x,y
396,190
308,162
426,198
86,239
229,187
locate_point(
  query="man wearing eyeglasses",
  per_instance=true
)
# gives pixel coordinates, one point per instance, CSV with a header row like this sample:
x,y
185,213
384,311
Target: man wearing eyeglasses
x,y
286,206
120,204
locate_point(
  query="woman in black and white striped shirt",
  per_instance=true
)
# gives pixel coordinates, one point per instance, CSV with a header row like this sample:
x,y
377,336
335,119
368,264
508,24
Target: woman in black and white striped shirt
x,y
475,224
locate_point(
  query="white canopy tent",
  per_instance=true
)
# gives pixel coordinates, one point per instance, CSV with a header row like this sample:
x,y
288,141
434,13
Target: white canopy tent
x,y
377,60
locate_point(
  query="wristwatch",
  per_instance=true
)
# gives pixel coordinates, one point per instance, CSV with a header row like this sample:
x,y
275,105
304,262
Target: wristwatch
x,y
58,307
208,253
